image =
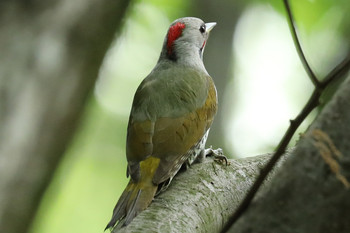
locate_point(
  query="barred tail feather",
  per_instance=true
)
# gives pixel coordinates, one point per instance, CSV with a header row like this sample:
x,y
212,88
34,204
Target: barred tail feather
x,y
135,198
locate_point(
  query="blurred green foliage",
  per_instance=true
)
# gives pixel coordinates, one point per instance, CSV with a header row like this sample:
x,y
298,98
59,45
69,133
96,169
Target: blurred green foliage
x,y
81,195
92,175
316,19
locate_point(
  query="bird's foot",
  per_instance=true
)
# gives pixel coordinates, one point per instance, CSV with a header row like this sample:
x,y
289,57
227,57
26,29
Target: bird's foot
x,y
218,155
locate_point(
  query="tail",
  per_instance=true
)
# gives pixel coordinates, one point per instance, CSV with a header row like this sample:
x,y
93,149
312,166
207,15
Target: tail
x,y
136,197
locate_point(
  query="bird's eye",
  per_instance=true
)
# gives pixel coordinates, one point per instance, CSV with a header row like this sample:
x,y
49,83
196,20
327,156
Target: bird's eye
x,y
202,29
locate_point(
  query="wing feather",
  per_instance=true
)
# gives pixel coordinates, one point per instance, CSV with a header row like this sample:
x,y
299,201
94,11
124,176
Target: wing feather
x,y
168,123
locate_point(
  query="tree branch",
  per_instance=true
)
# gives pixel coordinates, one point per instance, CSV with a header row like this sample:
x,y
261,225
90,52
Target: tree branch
x,y
337,73
313,102
292,27
200,198
311,192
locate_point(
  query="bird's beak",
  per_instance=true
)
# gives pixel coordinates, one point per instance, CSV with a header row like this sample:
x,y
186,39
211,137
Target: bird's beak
x,y
210,26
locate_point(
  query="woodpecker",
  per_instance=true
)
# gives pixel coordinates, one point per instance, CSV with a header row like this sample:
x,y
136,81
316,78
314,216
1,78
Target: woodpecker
x,y
170,118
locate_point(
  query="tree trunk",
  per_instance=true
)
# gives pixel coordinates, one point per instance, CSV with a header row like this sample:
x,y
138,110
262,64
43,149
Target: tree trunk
x,y
51,52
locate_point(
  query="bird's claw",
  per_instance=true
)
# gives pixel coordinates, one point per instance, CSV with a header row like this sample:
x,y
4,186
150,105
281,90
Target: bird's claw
x,y
218,155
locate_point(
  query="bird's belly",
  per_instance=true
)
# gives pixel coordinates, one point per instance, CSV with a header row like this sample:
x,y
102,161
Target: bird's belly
x,y
197,150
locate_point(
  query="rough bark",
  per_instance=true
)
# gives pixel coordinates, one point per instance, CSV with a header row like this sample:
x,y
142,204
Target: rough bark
x,y
199,199
51,52
309,192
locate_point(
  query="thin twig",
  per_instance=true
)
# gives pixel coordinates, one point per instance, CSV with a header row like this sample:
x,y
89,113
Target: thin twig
x,y
294,124
313,102
292,28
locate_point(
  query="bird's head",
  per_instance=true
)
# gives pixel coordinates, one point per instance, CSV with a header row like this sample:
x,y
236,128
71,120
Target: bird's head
x,y
186,40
